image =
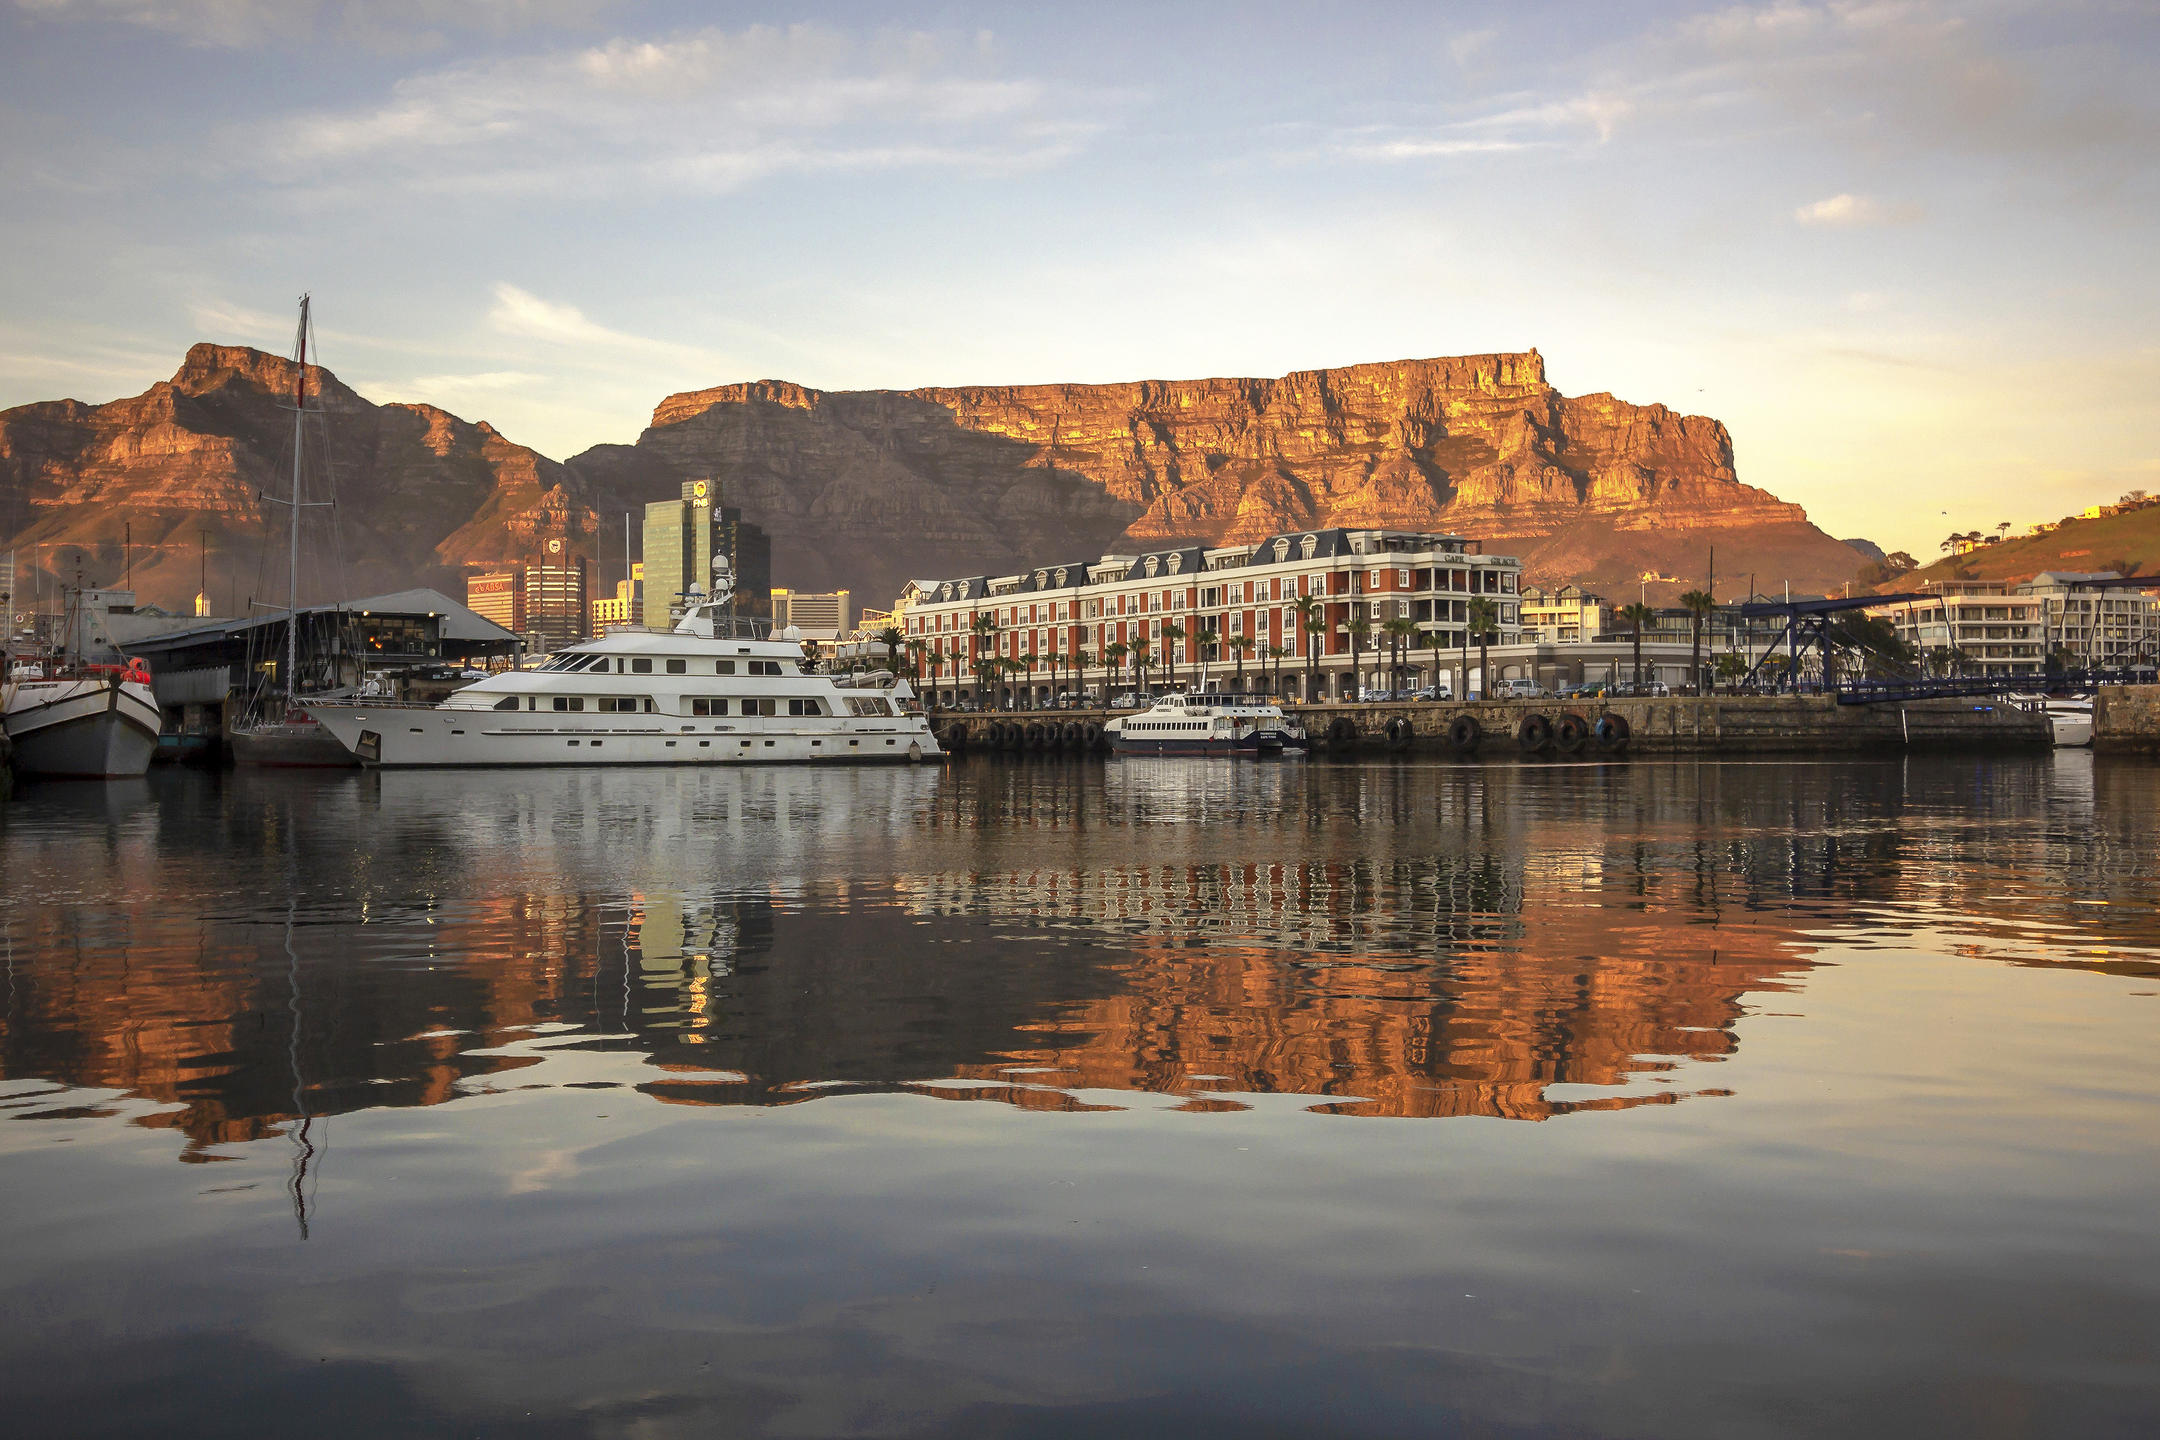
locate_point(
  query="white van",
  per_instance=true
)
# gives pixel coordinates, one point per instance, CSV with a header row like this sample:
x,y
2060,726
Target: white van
x,y
1521,690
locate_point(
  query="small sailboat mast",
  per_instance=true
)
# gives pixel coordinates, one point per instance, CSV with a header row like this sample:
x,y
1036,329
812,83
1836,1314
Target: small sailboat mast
x,y
292,574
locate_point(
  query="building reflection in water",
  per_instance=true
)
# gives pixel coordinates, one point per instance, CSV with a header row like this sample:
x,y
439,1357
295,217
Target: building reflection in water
x,y
1423,941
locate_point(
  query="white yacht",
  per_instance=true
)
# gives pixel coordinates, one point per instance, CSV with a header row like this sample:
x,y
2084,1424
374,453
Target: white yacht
x,y
716,690
1206,725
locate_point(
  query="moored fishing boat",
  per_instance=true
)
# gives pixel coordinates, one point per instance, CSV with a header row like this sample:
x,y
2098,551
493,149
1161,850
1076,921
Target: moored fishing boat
x,y
82,721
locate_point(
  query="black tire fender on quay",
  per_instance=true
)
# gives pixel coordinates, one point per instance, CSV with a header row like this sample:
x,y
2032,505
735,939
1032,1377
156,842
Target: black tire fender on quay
x,y
1400,733
1569,732
955,738
1342,734
1092,737
1036,736
1535,732
1610,731
1464,733
1070,736
1009,734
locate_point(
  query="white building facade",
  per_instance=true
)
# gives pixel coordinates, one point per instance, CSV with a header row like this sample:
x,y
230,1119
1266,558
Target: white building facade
x,y
1302,614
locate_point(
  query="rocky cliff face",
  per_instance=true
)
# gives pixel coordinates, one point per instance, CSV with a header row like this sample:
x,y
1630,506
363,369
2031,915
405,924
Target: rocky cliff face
x,y
420,493
873,487
867,489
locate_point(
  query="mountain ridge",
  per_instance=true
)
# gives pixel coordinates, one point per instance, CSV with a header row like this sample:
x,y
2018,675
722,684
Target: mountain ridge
x,y
868,489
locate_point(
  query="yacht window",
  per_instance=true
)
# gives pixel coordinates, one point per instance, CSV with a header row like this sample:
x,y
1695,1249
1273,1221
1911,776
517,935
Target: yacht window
x,y
623,704
569,702
763,706
709,706
764,667
591,662
508,702
811,706
678,667
723,667
641,667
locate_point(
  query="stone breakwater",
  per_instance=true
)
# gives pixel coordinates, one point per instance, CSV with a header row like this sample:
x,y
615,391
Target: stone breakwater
x,y
2127,717
1743,724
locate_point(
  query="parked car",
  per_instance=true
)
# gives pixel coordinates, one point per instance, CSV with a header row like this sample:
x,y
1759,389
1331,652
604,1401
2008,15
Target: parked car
x,y
1126,701
1522,690
1437,692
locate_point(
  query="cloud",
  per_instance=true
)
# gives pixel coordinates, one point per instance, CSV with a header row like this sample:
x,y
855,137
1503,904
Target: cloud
x,y
527,316
1851,211
394,24
710,111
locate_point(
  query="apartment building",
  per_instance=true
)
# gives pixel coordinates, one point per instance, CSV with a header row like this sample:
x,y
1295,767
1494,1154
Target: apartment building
x,y
1323,594
2095,627
821,615
1563,615
1994,630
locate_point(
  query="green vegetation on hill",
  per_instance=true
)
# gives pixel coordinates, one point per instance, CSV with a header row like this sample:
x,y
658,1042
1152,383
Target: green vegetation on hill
x,y
2111,542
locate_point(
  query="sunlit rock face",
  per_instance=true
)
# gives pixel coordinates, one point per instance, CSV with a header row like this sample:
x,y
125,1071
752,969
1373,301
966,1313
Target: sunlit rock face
x,y
868,489
872,487
420,493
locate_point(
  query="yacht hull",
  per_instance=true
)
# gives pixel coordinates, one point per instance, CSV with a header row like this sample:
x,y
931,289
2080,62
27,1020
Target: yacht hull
x,y
391,738
91,729
290,747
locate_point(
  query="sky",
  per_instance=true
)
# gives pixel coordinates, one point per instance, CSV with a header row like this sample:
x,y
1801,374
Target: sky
x,y
1903,249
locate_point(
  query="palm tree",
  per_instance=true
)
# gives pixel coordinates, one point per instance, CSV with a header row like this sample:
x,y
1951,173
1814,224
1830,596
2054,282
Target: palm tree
x,y
1275,654
1360,628
1308,609
891,638
984,628
1206,637
1698,604
1484,616
1172,633
1401,631
1431,640
1637,615
1239,645
1080,662
1113,657
915,647
1139,652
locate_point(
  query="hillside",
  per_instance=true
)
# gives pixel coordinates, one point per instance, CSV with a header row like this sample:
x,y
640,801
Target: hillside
x,y
2111,542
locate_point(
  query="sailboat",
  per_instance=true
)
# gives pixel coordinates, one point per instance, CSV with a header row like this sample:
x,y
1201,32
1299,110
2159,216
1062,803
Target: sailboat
x,y
290,738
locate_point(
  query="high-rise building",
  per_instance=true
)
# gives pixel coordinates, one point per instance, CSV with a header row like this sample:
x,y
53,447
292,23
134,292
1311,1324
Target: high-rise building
x,y
624,606
681,538
557,591
820,615
500,597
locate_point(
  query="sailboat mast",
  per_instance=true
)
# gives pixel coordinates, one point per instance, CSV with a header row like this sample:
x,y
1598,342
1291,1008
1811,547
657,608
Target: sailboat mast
x,y
292,574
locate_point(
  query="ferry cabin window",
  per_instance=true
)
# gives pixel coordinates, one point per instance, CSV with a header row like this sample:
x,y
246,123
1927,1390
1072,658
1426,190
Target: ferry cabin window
x,y
723,667
569,702
641,667
678,667
704,706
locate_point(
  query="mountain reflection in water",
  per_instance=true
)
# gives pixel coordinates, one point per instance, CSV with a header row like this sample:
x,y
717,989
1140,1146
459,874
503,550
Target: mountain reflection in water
x,y
1404,941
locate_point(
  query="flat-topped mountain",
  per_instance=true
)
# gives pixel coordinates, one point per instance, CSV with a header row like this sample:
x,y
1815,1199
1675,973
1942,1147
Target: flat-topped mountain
x,y
867,489
876,486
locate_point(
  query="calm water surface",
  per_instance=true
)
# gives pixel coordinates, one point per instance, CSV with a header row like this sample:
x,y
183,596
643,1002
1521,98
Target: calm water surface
x,y
1145,1098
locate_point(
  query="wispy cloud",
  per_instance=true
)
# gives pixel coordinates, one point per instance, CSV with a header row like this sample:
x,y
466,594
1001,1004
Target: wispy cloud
x,y
385,24
1848,211
711,110
521,315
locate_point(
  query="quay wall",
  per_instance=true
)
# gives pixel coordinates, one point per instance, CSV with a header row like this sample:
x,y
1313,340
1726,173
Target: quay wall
x,y
1726,724
2127,718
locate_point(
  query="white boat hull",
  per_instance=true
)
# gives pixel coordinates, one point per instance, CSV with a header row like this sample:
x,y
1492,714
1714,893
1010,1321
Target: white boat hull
x,y
93,728
394,737
2073,728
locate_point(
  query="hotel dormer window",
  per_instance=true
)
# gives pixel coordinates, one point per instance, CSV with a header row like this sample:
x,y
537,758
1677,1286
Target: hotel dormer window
x,y
1282,551
1309,546
1177,563
1152,564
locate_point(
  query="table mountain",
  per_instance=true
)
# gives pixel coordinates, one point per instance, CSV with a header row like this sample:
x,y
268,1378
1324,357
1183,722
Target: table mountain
x,y
868,489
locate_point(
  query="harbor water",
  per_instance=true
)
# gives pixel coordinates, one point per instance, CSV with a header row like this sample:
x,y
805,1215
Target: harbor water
x,y
1076,1098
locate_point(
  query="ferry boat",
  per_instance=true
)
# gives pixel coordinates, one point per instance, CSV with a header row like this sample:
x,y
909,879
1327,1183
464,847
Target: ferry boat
x,y
716,690
1207,724
81,721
